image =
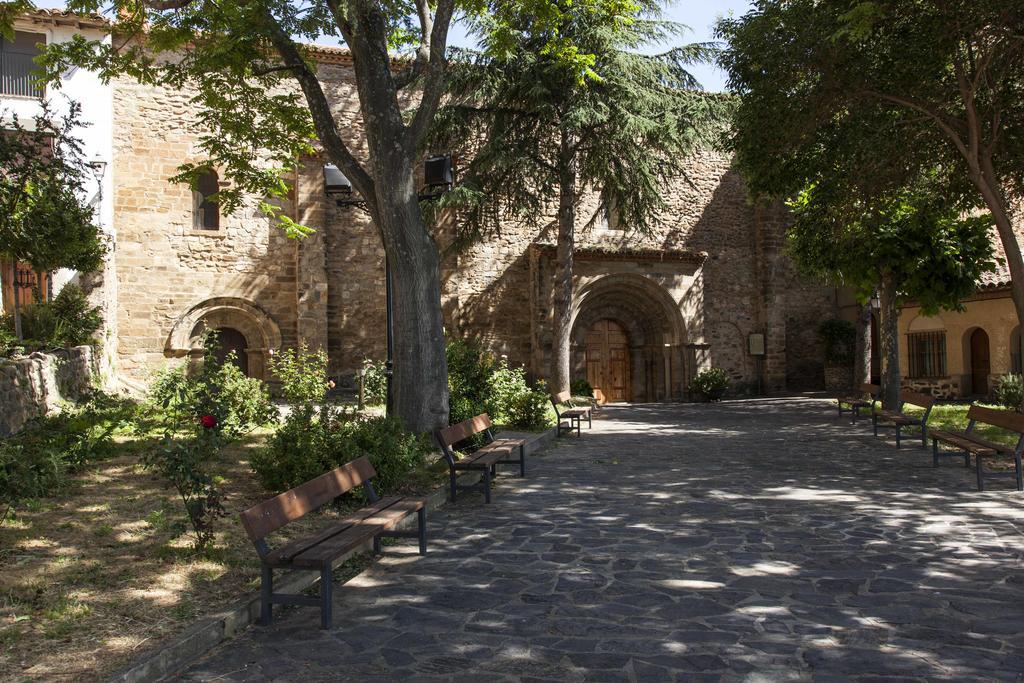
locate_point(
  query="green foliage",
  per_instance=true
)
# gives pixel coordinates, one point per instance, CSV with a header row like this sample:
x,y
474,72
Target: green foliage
x,y
256,119
43,218
238,403
512,402
9,344
38,461
375,382
1009,392
872,89
302,373
184,463
470,369
66,321
712,383
479,383
840,340
913,237
309,444
581,387
627,129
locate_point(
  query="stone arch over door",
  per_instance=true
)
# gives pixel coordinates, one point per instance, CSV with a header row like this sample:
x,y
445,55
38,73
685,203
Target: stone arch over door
x,y
244,318
652,323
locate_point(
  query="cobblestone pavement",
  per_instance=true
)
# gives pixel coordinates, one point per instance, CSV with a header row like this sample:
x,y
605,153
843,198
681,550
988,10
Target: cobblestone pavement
x,y
750,540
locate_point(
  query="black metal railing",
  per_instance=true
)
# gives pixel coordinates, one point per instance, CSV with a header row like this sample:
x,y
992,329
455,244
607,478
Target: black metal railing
x,y
19,75
926,352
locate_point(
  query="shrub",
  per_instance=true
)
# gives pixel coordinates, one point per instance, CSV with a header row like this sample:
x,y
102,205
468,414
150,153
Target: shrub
x,y
302,373
469,373
183,463
375,382
839,338
712,383
306,446
1009,392
9,344
66,321
581,387
237,403
512,402
38,461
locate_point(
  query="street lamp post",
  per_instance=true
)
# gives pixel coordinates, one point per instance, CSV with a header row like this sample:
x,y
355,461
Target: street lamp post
x,y
389,364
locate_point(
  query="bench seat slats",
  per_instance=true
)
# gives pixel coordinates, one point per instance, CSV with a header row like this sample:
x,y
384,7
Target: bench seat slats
x,y
480,459
363,530
282,556
971,444
893,416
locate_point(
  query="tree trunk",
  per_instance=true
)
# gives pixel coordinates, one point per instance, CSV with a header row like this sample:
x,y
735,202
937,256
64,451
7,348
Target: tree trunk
x,y
563,290
890,343
862,357
420,379
995,199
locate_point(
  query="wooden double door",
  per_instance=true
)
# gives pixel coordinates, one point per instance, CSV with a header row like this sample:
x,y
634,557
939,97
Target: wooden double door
x,y
608,360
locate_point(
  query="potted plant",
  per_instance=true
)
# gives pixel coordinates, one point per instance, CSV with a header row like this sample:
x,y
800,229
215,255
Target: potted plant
x,y
711,384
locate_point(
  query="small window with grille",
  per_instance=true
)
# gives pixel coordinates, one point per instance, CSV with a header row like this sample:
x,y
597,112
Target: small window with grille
x,y
926,352
18,71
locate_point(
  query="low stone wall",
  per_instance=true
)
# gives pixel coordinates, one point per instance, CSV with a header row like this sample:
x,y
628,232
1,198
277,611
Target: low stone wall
x,y
35,385
941,388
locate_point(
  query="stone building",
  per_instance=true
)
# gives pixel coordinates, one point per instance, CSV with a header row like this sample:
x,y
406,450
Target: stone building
x,y
711,288
957,354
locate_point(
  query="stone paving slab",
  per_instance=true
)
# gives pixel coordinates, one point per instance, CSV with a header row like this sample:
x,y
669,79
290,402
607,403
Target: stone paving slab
x,y
750,540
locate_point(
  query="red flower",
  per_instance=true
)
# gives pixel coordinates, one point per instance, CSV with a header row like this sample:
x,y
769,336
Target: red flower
x,y
208,421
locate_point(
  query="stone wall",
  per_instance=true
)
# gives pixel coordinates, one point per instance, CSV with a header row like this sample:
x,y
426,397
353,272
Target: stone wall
x,y
166,269
942,388
33,386
714,271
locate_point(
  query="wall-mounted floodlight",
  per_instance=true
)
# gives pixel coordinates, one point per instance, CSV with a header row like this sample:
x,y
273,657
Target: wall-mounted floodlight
x,y
335,182
438,171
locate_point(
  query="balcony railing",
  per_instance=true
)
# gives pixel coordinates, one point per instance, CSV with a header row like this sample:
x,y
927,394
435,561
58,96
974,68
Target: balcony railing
x,y
18,75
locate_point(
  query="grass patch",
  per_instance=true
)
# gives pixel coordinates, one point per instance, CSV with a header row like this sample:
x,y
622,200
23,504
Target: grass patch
x,y
95,574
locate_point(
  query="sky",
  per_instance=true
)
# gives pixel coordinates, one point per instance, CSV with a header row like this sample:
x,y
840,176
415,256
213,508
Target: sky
x,y
699,15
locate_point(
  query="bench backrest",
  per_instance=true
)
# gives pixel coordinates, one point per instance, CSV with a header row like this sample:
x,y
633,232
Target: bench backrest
x,y
561,397
1007,419
449,436
270,515
872,389
916,399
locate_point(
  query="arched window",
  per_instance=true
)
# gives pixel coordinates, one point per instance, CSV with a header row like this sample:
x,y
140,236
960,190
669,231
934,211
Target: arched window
x,y
205,211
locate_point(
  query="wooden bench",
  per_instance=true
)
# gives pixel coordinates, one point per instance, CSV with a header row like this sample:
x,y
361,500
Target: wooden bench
x,y
569,414
487,457
967,444
318,552
868,395
898,420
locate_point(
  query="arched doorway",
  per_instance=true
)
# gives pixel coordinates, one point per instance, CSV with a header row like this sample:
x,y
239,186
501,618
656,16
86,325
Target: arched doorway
x,y
607,353
981,362
628,331
244,327
232,341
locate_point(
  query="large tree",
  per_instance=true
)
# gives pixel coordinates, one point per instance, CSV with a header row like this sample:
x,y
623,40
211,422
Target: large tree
x,y
262,103
908,244
941,81
45,219
549,134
